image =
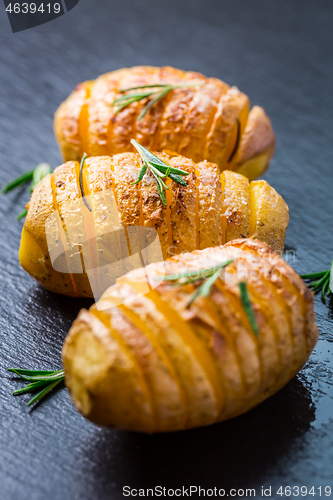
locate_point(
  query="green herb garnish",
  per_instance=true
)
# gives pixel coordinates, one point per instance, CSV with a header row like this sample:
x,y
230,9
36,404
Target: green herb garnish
x,y
159,169
34,176
39,379
22,214
320,281
157,92
209,275
244,295
22,179
81,182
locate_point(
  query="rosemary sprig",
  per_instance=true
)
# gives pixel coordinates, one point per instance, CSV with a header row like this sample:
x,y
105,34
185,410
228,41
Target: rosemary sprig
x,y
45,380
209,275
159,169
157,92
322,281
244,295
22,214
81,182
34,176
22,179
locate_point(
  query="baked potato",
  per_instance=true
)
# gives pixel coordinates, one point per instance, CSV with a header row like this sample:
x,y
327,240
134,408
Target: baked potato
x,y
210,210
210,121
148,362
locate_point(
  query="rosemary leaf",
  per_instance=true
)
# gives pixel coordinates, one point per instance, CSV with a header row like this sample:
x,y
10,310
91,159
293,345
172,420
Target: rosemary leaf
x,y
324,290
39,379
22,214
248,306
142,172
142,87
159,169
152,102
44,392
134,97
331,279
313,275
205,273
316,286
207,285
41,171
81,182
160,190
18,181
194,295
157,92
20,372
30,387
178,179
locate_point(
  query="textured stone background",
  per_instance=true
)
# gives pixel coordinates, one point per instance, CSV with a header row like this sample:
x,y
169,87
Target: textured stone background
x,y
280,54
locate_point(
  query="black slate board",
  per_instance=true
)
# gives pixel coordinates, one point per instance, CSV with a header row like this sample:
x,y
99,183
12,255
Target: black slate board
x,y
280,54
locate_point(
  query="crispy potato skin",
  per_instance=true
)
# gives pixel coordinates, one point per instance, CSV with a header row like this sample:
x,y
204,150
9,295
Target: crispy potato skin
x,y
257,145
210,210
198,122
190,366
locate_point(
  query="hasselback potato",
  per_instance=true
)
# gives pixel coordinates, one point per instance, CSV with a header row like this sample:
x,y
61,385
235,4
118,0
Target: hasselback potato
x,y
149,362
211,209
210,121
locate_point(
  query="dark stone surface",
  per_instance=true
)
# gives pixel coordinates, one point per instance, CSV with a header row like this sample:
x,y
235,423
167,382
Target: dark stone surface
x,y
280,54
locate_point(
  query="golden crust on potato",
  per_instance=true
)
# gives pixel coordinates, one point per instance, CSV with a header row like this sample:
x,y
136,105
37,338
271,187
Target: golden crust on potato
x,y
210,121
192,365
208,211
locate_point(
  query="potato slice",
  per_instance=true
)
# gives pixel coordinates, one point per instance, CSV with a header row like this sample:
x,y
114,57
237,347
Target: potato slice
x,y
68,201
222,138
66,123
269,215
183,209
34,252
99,113
104,380
155,364
235,206
209,205
257,145
199,118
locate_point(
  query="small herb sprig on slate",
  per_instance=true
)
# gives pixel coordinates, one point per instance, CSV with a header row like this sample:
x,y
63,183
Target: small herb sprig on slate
x,y
244,295
39,379
159,169
320,281
156,92
34,176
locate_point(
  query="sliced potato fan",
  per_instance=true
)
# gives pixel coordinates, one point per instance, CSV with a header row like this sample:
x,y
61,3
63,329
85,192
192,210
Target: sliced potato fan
x,y
211,209
198,117
153,363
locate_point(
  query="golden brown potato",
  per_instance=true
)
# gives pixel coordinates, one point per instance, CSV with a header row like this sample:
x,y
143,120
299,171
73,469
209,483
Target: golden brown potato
x,y
148,362
210,121
257,145
207,212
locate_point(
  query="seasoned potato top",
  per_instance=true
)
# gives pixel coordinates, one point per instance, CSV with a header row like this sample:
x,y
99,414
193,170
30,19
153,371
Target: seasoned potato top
x,y
209,210
203,121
